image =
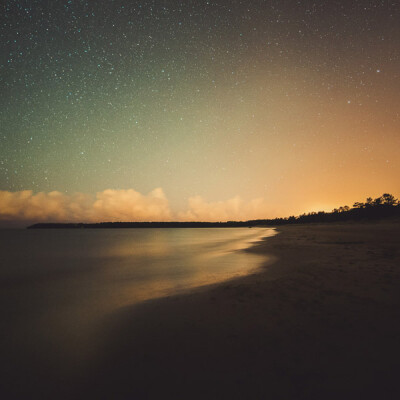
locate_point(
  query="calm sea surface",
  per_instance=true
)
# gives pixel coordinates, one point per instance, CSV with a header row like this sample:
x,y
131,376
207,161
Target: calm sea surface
x,y
56,286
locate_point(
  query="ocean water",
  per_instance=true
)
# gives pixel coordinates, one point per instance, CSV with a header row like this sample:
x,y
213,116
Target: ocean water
x,y
57,286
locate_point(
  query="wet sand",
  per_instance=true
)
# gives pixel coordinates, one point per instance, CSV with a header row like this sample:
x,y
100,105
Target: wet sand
x,y
320,320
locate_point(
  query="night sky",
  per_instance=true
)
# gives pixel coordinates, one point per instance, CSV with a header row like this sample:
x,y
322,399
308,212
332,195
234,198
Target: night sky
x,y
199,110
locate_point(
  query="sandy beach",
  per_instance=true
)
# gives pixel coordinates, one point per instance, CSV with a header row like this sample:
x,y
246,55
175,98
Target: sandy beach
x,y
320,320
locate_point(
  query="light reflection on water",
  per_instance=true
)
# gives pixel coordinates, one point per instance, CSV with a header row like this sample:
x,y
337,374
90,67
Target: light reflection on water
x,y
59,284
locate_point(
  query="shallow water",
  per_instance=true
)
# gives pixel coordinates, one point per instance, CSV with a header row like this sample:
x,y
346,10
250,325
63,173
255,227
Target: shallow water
x,y
58,285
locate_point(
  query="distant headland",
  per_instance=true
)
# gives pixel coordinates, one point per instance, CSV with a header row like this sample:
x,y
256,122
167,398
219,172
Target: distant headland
x,y
385,206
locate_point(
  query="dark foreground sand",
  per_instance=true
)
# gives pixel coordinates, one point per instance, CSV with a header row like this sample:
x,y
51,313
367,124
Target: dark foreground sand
x,y
320,322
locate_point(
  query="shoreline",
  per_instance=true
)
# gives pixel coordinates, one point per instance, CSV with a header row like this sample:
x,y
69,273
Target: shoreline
x,y
319,321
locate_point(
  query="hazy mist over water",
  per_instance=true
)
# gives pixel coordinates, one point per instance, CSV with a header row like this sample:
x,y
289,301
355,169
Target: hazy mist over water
x,y
58,286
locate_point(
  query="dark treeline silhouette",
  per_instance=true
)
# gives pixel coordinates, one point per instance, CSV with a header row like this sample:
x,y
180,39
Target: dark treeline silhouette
x,y
385,206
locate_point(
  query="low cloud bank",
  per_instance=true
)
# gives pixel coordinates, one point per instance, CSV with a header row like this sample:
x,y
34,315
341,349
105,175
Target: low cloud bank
x,y
119,205
230,210
109,205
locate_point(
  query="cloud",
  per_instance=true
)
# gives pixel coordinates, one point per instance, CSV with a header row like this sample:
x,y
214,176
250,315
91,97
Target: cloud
x,y
120,205
232,209
109,205
129,205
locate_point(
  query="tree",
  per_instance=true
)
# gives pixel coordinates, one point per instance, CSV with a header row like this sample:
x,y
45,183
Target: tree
x,y
377,202
388,200
369,202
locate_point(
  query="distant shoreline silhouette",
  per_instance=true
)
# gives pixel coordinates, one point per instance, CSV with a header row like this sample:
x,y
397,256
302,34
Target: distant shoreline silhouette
x,y
385,206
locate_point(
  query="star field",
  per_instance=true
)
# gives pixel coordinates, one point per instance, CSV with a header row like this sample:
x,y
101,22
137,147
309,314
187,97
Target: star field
x,y
275,99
